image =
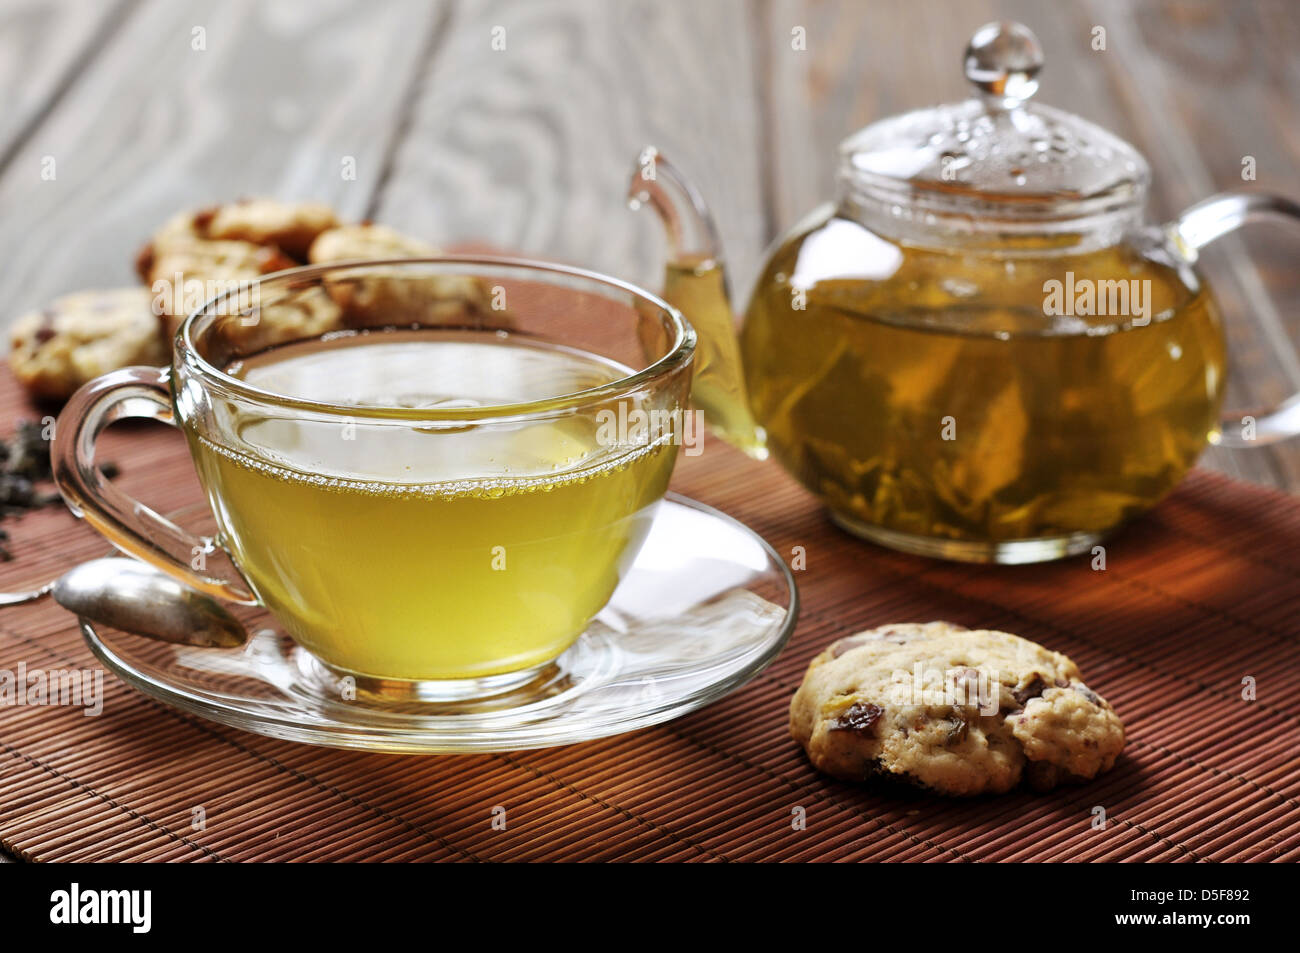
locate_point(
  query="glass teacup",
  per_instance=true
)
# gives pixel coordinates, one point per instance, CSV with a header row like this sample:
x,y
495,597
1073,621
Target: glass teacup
x,y
429,471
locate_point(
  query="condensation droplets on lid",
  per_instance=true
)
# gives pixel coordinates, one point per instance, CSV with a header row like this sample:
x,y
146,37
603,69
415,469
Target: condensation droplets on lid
x,y
997,152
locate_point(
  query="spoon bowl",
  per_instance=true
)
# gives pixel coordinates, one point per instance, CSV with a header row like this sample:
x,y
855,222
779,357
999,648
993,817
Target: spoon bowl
x,y
137,598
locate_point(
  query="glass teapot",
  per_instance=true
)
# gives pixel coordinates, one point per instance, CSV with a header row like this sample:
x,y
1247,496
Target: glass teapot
x,y
980,351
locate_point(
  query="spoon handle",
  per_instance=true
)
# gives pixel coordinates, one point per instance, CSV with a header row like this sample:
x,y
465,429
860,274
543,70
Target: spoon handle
x,y
19,598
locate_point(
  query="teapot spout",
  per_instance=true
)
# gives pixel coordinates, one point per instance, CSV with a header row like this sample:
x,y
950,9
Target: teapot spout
x,y
695,283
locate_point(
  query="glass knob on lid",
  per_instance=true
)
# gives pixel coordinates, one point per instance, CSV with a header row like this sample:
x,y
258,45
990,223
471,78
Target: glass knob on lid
x,y
1002,62
997,158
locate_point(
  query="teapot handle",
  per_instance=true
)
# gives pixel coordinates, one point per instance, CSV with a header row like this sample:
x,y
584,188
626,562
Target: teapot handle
x,y
1201,224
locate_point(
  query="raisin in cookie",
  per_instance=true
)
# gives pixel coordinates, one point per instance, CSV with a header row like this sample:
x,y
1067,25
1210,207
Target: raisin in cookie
x,y
952,710
81,336
376,298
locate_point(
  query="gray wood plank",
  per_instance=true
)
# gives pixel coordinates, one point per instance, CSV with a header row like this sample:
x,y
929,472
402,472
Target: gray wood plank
x,y
1210,84
530,147
865,61
43,46
279,95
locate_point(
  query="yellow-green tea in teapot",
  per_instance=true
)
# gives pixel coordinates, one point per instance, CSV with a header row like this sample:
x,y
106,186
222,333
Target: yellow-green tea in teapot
x,y
986,399
696,286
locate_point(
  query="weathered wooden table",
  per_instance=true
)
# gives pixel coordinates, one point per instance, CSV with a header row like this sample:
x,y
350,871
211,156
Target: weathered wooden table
x,y
515,122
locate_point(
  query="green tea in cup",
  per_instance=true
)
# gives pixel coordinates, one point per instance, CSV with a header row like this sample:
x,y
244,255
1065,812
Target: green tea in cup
x,y
438,552
440,499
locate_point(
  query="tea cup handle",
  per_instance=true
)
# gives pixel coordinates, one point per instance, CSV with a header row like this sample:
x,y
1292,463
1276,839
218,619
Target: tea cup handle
x,y
132,527
1201,224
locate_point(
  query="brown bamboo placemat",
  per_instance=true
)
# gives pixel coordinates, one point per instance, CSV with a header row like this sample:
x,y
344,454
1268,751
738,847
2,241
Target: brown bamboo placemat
x,y
1196,597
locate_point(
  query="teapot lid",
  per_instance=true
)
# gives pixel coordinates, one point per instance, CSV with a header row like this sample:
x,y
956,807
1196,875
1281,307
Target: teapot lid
x,y
996,155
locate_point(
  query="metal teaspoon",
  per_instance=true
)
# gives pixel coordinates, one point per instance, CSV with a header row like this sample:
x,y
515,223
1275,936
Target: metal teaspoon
x,y
135,597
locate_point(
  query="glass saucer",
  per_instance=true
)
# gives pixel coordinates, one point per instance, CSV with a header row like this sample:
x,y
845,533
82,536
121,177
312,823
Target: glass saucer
x,y
706,606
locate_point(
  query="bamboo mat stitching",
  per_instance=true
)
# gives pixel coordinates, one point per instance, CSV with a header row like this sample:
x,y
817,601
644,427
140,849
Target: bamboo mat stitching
x,y
211,731
331,789
1208,611
1082,796
675,837
919,578
794,786
1284,568
1211,769
129,812
73,782
799,789
226,735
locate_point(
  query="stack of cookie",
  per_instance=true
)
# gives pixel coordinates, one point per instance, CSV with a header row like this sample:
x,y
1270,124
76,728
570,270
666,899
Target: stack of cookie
x,y
80,336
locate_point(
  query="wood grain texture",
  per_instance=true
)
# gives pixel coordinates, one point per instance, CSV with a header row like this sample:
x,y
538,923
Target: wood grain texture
x,y
531,146
1189,72
44,45
1173,80
280,94
528,146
